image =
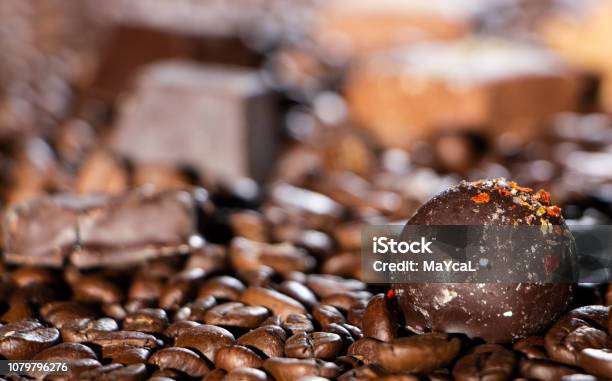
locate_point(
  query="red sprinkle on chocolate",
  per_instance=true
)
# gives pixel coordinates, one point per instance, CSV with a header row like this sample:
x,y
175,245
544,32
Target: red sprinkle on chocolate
x,y
553,211
543,197
481,198
503,192
390,294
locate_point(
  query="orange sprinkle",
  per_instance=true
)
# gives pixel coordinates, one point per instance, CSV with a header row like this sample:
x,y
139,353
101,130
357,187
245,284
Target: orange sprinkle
x,y
514,185
553,211
543,197
481,198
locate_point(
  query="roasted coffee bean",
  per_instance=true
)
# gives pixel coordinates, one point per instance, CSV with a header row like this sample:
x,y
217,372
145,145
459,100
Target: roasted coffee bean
x,y
596,361
375,372
290,369
269,339
215,375
579,377
297,323
206,339
322,345
246,254
249,224
136,305
77,368
246,374
148,320
111,372
257,277
18,312
344,300
211,258
325,285
136,339
168,374
177,328
237,356
24,339
532,347
298,292
195,310
325,314
180,359
235,314
356,312
280,304
222,287
345,335
181,288
35,293
114,311
96,289
25,276
421,353
66,351
83,330
569,336
61,313
544,370
343,264
146,287
488,361
125,354
380,319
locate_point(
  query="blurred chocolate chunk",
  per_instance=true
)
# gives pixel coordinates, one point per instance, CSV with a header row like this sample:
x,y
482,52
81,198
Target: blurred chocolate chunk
x,y
211,119
95,231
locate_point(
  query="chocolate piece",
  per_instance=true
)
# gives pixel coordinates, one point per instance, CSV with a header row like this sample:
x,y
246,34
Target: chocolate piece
x,y
474,84
180,111
99,231
496,312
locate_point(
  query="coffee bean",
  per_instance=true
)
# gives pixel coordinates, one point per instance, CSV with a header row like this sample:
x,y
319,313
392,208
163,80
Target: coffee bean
x,y
83,330
61,313
66,351
77,368
532,347
344,300
356,312
114,310
569,336
579,377
257,277
290,369
25,276
374,372
269,339
96,289
249,224
237,356
18,312
133,338
206,339
322,345
146,287
181,288
324,285
167,374
125,354
180,359
421,353
380,319
24,339
272,320
246,254
280,304
235,314
543,370
195,310
177,328
111,372
486,361
148,320
246,374
211,258
35,293
297,323
298,292
325,314
596,361
215,375
222,287
345,335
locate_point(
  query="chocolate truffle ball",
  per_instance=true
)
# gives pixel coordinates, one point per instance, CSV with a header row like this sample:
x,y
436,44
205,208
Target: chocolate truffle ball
x,y
495,312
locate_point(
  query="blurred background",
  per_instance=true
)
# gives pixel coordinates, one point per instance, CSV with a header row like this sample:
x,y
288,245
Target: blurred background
x,y
360,106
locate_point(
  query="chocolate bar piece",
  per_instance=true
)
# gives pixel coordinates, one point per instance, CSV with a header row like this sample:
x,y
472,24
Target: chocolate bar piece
x,y
99,231
211,119
490,85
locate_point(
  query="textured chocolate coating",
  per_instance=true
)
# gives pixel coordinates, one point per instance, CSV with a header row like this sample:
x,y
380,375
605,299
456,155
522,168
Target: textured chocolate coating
x,y
495,312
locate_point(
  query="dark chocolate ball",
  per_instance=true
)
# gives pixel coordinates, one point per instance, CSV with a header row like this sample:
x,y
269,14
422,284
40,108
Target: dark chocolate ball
x,y
495,312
